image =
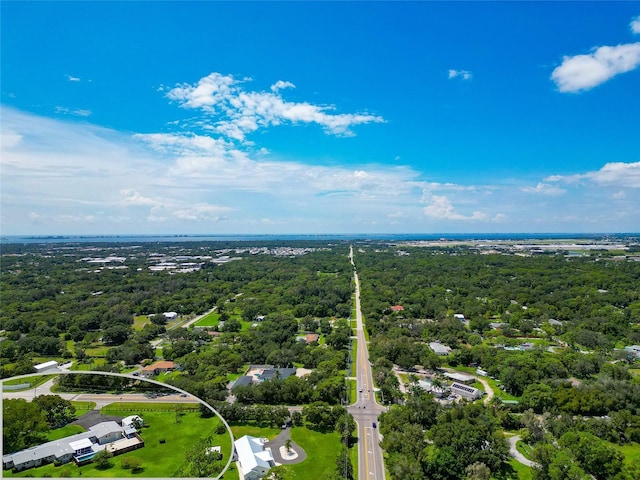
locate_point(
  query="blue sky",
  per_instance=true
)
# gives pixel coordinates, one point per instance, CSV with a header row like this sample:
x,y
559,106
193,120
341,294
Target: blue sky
x,y
330,117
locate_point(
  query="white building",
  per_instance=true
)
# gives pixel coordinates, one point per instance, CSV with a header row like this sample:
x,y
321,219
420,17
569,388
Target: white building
x,y
170,315
466,391
460,377
41,367
633,349
439,349
254,460
80,447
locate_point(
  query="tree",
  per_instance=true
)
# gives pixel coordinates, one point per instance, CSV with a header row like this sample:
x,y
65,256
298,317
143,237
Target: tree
x,y
102,459
201,462
58,411
287,445
23,425
478,471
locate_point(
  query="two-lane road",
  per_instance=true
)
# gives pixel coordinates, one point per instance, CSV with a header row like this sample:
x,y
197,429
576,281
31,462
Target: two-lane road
x,y
365,410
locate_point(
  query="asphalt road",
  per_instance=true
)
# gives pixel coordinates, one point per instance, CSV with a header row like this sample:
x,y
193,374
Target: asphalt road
x,y
365,410
101,399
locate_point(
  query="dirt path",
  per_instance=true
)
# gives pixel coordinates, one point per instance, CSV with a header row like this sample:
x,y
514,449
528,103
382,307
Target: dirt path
x,y
487,388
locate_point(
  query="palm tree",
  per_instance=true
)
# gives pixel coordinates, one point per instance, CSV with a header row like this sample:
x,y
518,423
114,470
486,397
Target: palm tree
x,y
287,445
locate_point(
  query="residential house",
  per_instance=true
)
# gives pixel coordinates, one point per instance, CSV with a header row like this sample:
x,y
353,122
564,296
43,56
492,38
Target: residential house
x,y
254,460
170,315
158,368
397,308
280,373
242,382
80,447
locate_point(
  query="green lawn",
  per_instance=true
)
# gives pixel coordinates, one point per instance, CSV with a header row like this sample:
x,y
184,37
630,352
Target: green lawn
x,y
353,394
522,471
210,320
630,451
65,431
254,431
139,321
95,362
158,459
32,381
322,450
97,351
83,407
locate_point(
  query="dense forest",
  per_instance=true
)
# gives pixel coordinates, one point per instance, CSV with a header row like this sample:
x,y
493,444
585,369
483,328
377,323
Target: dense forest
x,y
574,389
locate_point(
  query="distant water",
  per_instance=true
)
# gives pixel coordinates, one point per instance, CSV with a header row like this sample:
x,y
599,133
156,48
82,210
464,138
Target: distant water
x,y
325,237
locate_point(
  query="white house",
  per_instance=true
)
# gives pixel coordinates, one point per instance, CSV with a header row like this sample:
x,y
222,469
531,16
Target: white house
x,y
254,460
80,447
459,316
170,315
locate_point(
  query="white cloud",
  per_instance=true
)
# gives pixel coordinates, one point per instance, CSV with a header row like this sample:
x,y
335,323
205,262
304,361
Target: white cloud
x,y
635,25
72,79
67,177
132,197
202,211
79,112
235,112
614,174
583,72
281,85
463,74
545,189
440,207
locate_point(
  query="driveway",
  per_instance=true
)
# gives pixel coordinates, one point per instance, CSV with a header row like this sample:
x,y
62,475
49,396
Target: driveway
x,y
94,417
517,455
279,441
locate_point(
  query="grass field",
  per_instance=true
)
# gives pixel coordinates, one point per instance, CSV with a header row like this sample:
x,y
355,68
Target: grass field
x,y
32,381
158,459
322,450
210,320
353,394
83,407
65,431
522,472
630,451
139,321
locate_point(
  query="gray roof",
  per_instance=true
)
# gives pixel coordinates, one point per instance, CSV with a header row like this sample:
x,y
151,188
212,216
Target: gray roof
x,y
280,373
61,447
242,381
